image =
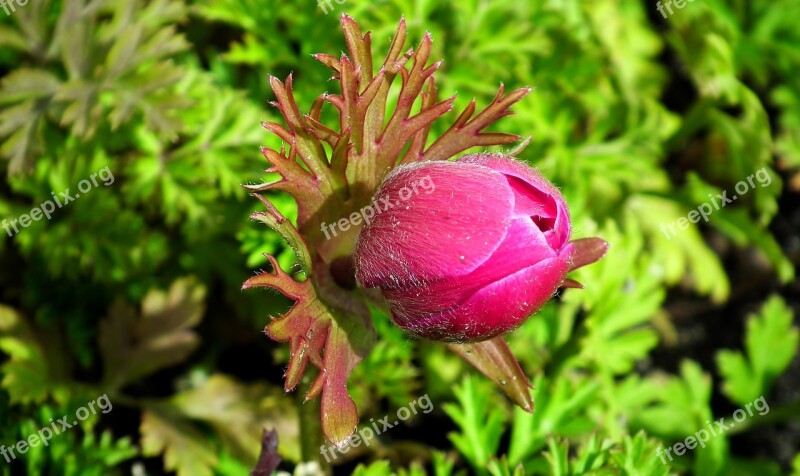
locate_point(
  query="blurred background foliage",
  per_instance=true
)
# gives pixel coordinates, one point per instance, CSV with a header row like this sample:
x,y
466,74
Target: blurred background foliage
x,y
133,289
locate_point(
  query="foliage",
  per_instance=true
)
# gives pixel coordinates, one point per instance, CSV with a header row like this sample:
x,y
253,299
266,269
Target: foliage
x,y
132,290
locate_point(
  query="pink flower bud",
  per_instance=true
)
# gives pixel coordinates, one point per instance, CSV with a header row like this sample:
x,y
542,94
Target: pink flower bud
x,y
465,250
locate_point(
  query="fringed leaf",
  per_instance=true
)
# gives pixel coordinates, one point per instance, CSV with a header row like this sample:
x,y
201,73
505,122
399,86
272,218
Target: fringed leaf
x,y
332,341
273,218
466,133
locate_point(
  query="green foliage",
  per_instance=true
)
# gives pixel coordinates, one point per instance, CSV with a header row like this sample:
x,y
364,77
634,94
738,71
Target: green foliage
x,y
98,456
133,289
635,456
770,344
134,346
389,371
25,372
480,423
114,62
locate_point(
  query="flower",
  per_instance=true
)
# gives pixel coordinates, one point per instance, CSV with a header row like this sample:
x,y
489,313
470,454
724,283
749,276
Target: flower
x,y
473,258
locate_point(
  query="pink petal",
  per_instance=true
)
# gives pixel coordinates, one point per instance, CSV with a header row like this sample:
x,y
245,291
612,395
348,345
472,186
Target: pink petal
x,y
530,200
488,302
443,232
490,311
505,304
524,246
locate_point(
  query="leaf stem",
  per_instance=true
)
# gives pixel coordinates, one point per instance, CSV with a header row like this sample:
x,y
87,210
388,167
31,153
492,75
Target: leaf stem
x,y
310,425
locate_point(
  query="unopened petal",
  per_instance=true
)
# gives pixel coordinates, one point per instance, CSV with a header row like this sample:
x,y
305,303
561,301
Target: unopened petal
x,y
539,198
444,230
489,311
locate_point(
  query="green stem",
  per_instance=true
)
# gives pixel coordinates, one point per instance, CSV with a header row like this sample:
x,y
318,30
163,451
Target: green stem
x,y
310,425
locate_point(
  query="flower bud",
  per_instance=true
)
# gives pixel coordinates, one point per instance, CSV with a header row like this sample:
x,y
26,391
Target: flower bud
x,y
466,250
